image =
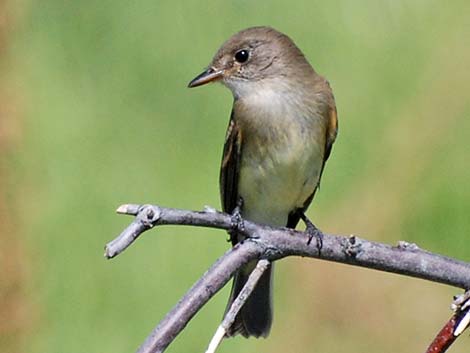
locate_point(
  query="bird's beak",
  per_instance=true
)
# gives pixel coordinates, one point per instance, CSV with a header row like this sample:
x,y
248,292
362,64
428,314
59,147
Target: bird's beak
x,y
210,75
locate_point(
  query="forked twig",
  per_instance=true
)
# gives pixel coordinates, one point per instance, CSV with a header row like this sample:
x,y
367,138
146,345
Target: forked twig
x,y
237,304
264,242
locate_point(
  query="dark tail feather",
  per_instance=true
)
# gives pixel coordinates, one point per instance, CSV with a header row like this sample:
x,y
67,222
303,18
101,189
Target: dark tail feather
x,y
255,317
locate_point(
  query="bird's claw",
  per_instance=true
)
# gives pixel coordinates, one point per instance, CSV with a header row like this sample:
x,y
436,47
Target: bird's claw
x,y
237,225
313,232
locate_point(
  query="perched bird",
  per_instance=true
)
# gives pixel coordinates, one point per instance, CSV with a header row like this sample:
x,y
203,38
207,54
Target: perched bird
x,y
281,130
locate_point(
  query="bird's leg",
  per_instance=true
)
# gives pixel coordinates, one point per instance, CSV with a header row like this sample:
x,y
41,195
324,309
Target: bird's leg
x,y
237,225
312,231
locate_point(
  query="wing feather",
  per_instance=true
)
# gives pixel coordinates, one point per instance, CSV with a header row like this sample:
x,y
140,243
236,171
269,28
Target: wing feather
x,y
230,167
331,132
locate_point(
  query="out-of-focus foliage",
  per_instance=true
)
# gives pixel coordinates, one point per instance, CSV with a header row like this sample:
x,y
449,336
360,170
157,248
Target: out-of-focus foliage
x,y
107,119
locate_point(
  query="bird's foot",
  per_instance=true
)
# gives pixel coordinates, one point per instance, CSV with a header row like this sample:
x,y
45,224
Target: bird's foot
x,y
237,225
312,232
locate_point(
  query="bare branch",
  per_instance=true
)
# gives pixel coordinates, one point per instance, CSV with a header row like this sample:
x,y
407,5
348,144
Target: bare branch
x,y
453,328
272,244
237,304
461,307
209,284
148,216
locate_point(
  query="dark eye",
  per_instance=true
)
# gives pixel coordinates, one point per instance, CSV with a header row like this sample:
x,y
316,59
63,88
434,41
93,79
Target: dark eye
x,y
242,56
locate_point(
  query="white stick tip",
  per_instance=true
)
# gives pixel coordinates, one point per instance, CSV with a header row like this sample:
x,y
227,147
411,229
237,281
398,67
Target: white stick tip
x,y
218,337
122,209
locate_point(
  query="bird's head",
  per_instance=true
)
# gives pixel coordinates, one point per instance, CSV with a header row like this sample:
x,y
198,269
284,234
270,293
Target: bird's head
x,y
254,55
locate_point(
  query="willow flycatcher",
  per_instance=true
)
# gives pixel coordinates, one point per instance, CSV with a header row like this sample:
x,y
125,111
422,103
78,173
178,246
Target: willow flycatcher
x,y
281,131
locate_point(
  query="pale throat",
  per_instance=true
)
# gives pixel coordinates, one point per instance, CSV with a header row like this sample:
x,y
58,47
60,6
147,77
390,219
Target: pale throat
x,y
266,92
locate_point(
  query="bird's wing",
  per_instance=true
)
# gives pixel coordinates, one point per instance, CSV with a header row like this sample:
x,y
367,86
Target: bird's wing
x,y
230,167
331,132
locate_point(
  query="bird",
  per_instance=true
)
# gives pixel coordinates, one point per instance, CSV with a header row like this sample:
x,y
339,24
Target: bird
x,y
280,134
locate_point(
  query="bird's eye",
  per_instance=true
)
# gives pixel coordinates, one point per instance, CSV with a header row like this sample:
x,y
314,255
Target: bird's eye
x,y
241,56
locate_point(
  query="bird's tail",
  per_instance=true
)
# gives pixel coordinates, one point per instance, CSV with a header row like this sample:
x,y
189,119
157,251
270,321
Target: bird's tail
x,y
255,317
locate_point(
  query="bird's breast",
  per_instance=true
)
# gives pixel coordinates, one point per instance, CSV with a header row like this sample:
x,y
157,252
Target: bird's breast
x,y
282,157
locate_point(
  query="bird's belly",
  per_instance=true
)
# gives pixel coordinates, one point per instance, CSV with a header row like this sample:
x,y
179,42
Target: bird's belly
x,y
278,179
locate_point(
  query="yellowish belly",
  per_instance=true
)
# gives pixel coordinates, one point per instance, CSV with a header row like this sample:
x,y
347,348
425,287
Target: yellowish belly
x,y
276,178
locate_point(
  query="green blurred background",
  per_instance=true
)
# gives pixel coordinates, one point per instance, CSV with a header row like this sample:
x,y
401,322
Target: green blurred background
x,y
95,113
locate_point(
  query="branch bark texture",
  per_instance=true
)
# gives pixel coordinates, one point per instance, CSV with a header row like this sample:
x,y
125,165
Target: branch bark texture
x,y
273,244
